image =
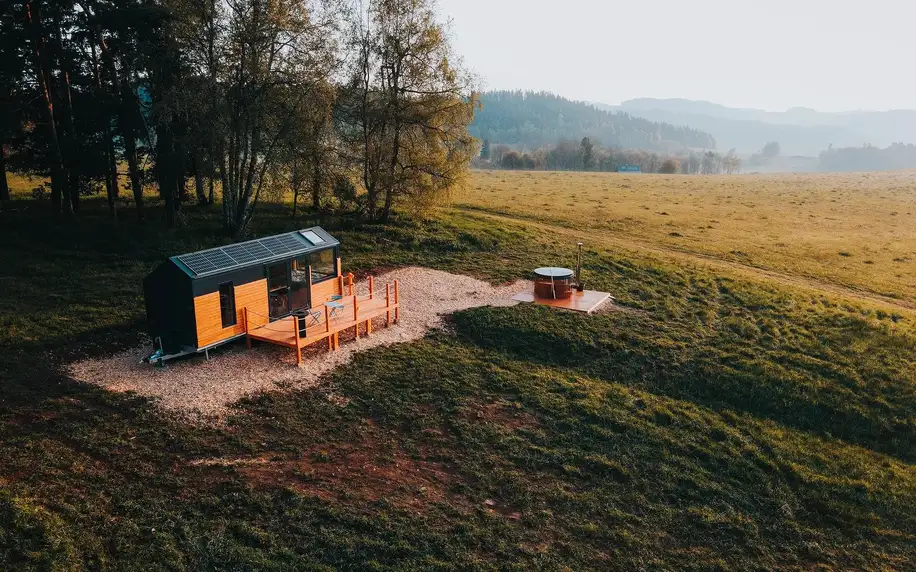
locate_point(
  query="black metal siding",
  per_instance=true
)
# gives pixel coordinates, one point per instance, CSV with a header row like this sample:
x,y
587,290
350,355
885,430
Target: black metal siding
x,y
239,276
170,308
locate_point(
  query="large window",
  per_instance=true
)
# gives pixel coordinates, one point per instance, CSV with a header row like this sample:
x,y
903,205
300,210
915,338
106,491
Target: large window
x,y
278,290
227,304
299,287
324,265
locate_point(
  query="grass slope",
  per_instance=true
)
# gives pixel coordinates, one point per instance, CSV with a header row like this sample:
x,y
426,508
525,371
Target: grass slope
x,y
724,424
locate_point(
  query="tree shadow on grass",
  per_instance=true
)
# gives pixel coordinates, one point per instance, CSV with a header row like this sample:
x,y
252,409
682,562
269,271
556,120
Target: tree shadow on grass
x,y
851,396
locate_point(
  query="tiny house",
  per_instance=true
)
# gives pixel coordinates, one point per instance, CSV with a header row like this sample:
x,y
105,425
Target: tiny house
x,y
196,301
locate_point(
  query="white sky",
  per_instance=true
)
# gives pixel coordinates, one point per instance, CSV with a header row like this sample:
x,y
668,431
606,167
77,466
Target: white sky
x,y
831,55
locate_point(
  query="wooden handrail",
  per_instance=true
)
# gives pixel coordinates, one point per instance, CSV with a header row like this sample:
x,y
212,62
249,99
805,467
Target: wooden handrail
x,y
296,336
327,328
397,305
387,305
245,325
355,312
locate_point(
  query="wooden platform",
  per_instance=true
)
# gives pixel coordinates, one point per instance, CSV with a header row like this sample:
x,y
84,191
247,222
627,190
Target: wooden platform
x,y
586,301
325,322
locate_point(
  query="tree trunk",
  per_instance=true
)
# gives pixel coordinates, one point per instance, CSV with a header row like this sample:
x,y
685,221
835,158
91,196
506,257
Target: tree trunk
x,y
295,183
212,195
226,192
128,115
165,171
386,210
58,175
111,181
69,146
316,185
133,169
4,185
199,179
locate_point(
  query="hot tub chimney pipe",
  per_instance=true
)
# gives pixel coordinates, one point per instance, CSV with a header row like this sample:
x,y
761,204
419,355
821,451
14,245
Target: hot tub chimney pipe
x,y
579,267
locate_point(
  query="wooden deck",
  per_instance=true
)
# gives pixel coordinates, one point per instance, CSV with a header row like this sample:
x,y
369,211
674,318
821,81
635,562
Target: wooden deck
x,y
586,301
325,322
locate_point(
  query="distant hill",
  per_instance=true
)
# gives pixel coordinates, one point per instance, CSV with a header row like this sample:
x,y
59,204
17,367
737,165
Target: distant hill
x,y
534,120
800,131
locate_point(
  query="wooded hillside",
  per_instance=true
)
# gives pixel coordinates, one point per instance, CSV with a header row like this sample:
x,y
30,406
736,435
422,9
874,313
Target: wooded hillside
x,y
536,119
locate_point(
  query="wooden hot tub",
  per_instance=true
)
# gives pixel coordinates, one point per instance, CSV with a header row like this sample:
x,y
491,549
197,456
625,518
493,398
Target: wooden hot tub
x,y
553,283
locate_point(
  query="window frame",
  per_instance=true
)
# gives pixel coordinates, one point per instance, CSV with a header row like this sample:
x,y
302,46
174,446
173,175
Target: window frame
x,y
334,269
231,305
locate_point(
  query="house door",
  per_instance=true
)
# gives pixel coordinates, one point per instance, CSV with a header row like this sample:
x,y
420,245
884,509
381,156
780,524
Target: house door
x,y
278,290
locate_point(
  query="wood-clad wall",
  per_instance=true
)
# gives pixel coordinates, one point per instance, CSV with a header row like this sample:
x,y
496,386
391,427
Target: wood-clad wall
x,y
325,289
210,330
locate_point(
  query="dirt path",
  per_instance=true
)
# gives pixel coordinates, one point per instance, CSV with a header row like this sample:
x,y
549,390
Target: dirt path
x,y
745,270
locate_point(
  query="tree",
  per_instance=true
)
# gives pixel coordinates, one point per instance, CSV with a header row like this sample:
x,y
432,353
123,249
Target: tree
x,y
770,150
259,61
42,73
669,167
497,152
588,153
485,150
731,163
409,107
512,160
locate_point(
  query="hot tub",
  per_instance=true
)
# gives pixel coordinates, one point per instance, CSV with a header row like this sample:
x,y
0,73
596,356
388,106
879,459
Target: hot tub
x,y
553,283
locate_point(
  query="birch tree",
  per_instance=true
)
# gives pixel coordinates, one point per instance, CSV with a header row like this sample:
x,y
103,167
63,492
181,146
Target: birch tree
x,y
408,107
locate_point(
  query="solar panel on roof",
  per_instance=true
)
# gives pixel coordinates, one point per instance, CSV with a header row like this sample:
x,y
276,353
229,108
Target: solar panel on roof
x,y
267,249
291,242
246,253
273,244
207,261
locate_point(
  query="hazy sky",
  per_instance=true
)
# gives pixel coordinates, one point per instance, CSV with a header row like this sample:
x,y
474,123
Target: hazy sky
x,y
830,55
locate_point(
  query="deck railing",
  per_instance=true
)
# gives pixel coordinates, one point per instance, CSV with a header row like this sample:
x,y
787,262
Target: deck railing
x,y
278,332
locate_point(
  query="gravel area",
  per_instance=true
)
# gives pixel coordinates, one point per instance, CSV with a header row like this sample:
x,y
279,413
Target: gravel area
x,y
202,388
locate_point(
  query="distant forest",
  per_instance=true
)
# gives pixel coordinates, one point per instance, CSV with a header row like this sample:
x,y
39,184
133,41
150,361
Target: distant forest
x,y
533,120
568,155
868,158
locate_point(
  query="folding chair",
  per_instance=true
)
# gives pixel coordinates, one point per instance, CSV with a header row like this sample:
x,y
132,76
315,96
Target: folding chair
x,y
334,305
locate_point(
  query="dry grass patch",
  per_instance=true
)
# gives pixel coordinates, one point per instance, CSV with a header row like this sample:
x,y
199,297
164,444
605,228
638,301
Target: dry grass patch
x,y
369,472
854,229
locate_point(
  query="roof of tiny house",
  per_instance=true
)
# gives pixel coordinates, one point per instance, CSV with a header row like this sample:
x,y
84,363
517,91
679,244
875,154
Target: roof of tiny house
x,y
254,252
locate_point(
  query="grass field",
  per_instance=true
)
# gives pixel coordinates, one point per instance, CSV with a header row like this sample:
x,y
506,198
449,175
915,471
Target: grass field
x,y
856,230
733,419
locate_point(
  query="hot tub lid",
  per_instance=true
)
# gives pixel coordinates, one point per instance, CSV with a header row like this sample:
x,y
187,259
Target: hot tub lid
x,y
554,272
